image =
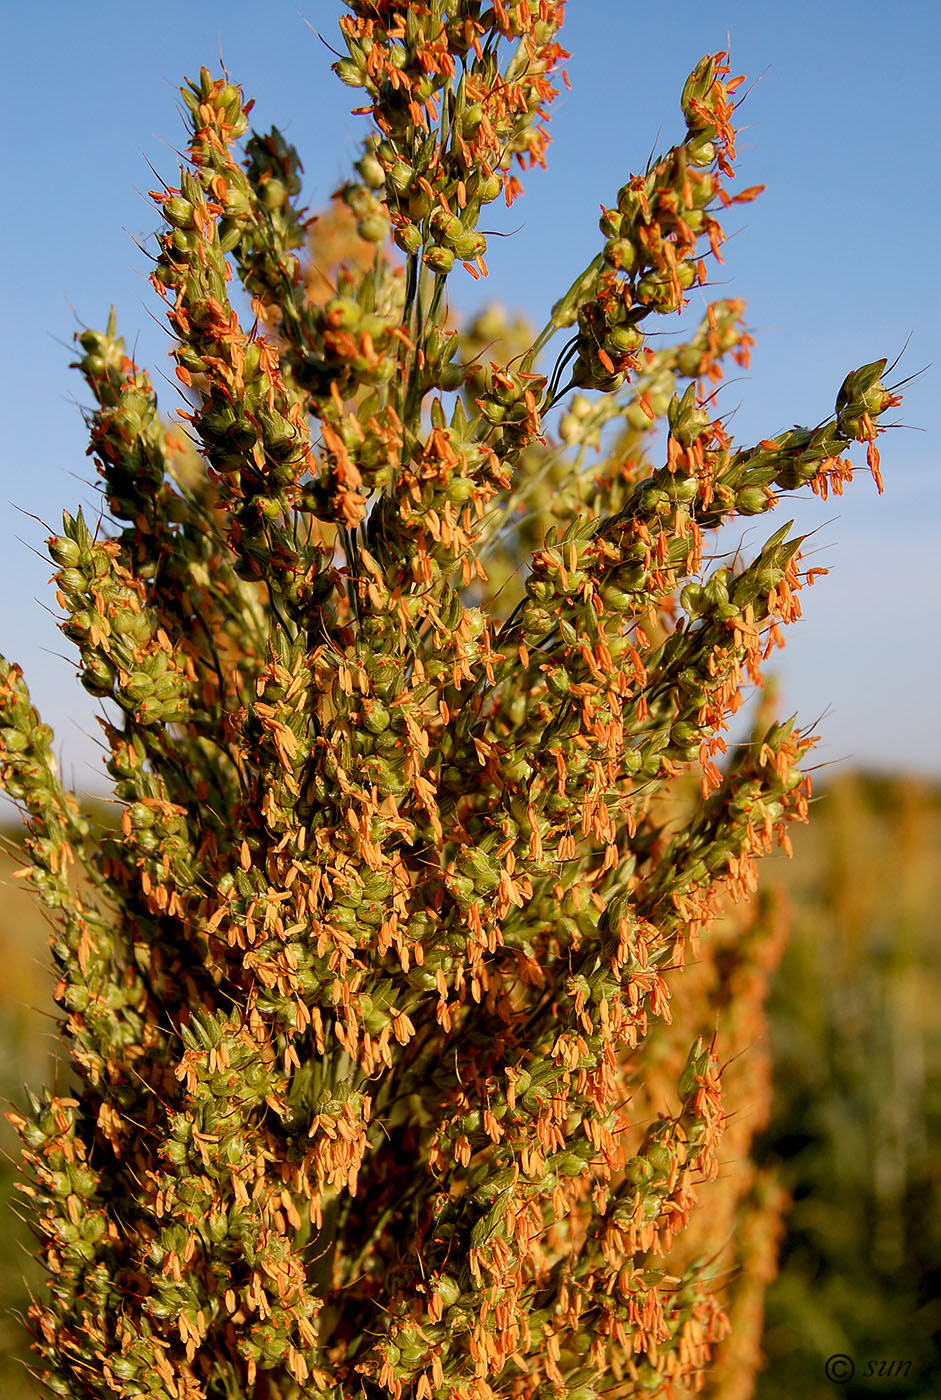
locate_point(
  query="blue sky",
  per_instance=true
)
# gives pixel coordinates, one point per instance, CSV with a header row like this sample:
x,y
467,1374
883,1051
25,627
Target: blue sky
x,y
836,262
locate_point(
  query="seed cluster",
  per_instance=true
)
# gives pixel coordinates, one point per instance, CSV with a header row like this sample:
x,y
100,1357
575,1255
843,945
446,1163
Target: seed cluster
x,y
368,990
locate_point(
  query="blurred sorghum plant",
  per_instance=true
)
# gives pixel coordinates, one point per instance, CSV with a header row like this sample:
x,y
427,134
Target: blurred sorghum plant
x,y
360,991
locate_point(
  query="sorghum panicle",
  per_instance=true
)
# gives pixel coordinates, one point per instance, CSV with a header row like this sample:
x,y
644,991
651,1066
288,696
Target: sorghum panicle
x,y
368,989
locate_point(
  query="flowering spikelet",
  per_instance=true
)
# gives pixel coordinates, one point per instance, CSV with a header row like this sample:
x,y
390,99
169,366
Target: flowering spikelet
x,y
365,989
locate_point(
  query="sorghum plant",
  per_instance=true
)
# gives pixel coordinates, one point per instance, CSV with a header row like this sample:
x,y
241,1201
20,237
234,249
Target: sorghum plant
x,y
403,696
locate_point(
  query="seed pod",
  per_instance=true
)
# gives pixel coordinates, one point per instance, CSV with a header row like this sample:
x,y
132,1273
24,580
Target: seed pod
x,y
752,500
610,223
179,212
77,627
624,340
488,188
237,203
377,717
660,1158
371,170
408,237
139,686
447,1289
72,581
559,682
349,72
343,313
13,741
462,887
620,253
141,817
681,488
166,685
98,676
229,235
149,710
439,259
638,1171
64,551
124,622
716,590
469,246
446,227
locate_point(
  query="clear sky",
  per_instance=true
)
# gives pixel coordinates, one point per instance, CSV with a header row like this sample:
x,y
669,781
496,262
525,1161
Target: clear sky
x,y
836,261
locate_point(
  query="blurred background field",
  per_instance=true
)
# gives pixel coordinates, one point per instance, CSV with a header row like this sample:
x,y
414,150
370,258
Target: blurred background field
x,y
855,1134
856,1122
